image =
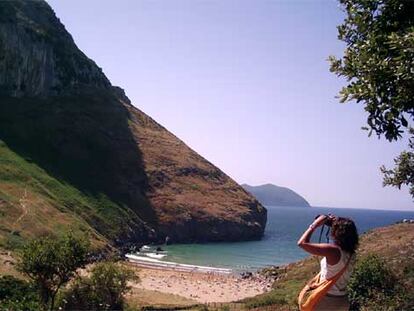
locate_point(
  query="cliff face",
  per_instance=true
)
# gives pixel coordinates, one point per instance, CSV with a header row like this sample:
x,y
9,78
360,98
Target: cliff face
x,y
75,145
38,56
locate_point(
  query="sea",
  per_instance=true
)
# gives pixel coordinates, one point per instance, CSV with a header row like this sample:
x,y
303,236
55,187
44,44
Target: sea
x,y
278,246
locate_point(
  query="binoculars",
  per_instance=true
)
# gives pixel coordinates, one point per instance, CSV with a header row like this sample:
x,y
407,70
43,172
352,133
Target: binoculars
x,y
329,219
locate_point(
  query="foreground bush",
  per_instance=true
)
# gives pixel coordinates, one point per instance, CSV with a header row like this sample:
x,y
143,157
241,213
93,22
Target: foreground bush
x,y
102,290
373,286
16,295
50,263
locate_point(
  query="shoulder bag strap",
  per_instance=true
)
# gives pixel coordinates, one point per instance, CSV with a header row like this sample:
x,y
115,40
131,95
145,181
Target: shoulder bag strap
x,y
339,274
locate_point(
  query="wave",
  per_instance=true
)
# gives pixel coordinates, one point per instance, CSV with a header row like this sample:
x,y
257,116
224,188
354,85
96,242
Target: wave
x,y
152,262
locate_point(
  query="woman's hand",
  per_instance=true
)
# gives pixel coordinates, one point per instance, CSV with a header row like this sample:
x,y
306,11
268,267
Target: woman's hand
x,y
320,220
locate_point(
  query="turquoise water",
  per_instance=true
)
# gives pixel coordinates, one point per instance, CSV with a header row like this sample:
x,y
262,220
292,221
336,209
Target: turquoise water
x,y
284,227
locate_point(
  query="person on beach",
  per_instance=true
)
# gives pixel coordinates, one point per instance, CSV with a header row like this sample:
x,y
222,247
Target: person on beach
x,y
337,262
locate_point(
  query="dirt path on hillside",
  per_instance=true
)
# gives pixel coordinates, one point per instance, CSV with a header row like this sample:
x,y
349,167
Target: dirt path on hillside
x,y
23,204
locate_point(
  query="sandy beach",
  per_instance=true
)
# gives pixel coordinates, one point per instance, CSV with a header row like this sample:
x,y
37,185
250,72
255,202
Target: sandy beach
x,y
203,287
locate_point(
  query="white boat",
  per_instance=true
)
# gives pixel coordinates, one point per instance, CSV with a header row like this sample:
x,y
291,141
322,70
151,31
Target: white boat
x,y
155,255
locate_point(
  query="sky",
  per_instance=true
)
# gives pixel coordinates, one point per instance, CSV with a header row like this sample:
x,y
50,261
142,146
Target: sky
x,y
246,84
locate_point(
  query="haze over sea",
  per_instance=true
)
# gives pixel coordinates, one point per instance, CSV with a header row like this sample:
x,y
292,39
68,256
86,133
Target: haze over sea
x,y
284,227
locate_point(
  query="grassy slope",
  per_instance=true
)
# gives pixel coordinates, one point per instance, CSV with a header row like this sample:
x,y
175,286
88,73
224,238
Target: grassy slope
x,y
33,203
69,155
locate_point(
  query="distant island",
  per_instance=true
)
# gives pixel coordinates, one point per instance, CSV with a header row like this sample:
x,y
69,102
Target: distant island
x,y
270,194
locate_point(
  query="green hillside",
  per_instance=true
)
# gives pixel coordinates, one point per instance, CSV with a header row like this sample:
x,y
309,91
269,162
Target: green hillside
x,y
61,152
34,203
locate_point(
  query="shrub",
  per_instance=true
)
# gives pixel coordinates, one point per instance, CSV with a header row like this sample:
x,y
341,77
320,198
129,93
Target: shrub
x,y
52,262
384,302
102,290
17,295
373,284
13,241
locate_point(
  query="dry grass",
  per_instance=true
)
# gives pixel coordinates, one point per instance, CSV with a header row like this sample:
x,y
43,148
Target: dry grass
x,y
139,298
8,264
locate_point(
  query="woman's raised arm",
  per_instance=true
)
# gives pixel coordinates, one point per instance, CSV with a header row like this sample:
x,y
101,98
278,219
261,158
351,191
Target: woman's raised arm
x,y
330,251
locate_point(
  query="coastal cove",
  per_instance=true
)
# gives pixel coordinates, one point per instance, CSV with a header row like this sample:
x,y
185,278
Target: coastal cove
x,y
278,246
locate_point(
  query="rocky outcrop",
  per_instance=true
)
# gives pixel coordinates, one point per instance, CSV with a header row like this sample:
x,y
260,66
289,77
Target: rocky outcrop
x,y
59,111
38,56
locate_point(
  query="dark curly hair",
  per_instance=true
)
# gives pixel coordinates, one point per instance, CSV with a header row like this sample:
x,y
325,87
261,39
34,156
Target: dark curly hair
x,y
345,234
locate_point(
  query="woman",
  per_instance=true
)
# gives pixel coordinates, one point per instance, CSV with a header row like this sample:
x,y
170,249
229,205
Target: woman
x,y
335,257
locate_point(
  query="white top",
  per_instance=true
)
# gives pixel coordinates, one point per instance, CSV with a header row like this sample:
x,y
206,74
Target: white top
x,y
328,271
